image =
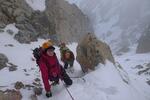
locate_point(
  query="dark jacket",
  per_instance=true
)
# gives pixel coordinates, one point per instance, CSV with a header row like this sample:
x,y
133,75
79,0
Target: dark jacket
x,y
64,58
63,51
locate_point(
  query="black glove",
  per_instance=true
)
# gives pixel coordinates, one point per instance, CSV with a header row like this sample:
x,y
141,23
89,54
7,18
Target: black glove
x,y
48,94
55,83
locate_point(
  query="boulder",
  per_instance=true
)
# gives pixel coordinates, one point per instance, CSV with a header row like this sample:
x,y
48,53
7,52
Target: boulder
x,y
3,61
143,44
91,52
10,95
37,90
19,85
148,82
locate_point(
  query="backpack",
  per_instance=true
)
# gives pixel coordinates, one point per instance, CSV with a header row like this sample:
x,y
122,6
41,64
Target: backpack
x,y
37,53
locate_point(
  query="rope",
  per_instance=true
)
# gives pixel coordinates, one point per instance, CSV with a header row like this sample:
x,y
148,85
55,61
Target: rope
x,y
69,94
79,78
72,98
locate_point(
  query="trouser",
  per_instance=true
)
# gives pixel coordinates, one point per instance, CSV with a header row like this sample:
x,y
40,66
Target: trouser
x,y
66,63
65,77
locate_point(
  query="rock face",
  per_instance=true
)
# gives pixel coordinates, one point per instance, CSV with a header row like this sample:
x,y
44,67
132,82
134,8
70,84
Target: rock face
x,y
18,85
70,22
3,61
91,52
10,95
144,46
60,21
37,90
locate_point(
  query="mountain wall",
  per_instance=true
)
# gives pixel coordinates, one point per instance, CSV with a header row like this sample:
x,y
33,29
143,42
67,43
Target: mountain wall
x,y
60,21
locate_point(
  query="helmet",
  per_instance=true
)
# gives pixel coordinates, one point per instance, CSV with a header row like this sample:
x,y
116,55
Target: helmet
x,y
48,45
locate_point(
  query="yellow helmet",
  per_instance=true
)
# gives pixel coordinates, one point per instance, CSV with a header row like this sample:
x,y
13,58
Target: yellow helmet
x,y
47,44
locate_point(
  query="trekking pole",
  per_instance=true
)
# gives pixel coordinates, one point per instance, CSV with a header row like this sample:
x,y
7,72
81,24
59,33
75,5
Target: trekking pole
x,y
68,92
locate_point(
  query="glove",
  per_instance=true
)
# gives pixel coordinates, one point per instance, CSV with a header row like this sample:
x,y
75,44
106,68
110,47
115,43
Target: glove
x,y
55,83
48,94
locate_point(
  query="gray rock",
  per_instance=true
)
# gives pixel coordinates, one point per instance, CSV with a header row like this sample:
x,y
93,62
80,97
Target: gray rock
x,y
12,68
27,74
37,84
91,52
122,50
19,85
9,45
143,44
148,65
25,70
144,71
37,91
70,23
3,61
148,82
20,19
25,37
2,25
37,80
29,87
60,18
139,66
10,32
42,24
1,31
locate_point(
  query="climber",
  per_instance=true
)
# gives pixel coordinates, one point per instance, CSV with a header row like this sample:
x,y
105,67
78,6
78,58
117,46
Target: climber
x,y
67,56
50,68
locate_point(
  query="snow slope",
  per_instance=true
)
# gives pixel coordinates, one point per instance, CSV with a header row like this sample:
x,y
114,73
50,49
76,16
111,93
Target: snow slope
x,y
105,83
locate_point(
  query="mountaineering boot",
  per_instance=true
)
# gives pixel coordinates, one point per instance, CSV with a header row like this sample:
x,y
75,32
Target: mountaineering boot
x,y
48,94
67,79
65,65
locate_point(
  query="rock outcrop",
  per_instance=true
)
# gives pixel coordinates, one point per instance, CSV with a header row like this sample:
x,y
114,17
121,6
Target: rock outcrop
x,y
10,95
3,61
70,22
18,85
91,52
143,44
60,21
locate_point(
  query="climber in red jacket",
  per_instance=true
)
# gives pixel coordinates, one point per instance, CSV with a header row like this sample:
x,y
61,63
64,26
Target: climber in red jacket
x,y
51,69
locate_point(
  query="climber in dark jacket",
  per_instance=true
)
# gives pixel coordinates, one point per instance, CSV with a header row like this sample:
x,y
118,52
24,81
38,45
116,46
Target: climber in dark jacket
x,y
67,56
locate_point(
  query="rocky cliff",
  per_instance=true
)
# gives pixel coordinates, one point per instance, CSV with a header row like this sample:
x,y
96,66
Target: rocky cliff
x,y
91,52
143,43
60,21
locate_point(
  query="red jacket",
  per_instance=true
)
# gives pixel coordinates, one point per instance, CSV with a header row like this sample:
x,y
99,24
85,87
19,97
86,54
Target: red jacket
x,y
49,67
